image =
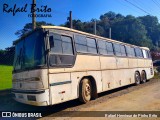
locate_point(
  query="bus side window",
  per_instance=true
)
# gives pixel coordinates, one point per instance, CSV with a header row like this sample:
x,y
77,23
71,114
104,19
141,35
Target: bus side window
x,y
67,45
56,43
128,50
81,43
123,51
91,45
117,49
149,54
109,48
133,54
102,47
139,52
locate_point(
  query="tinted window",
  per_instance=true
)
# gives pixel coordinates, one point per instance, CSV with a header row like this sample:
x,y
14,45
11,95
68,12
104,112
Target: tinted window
x,y
105,48
85,45
133,52
123,51
61,51
81,43
91,44
102,47
117,49
109,48
67,45
130,51
148,54
61,44
138,52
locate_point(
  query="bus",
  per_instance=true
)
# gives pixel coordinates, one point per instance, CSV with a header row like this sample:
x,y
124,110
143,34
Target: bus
x,y
55,64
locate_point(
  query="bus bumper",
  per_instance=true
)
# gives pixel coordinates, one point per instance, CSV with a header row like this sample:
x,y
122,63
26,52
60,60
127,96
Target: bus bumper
x,y
32,97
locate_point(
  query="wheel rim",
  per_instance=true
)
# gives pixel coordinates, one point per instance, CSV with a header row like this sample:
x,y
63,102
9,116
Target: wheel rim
x,y
87,90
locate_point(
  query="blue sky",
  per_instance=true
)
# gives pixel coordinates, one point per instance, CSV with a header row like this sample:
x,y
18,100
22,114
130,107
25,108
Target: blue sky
x,y
84,10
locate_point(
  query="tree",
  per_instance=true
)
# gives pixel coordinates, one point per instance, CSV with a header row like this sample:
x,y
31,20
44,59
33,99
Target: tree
x,y
28,27
153,28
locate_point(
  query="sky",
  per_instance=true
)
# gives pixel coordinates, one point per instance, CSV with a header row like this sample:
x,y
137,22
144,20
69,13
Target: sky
x,y
84,10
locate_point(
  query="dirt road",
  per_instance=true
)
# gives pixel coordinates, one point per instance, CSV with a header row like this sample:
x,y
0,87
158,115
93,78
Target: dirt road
x,y
145,97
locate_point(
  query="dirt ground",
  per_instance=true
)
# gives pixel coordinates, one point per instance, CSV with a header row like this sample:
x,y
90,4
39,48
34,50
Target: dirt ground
x,y
144,97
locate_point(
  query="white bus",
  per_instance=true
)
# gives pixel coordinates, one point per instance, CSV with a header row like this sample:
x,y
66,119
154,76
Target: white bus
x,y
56,64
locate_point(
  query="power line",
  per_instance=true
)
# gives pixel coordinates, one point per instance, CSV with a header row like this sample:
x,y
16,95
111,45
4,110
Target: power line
x,y
129,7
157,4
138,7
149,7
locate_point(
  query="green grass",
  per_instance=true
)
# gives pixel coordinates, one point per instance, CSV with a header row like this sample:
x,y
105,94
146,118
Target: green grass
x,y
5,77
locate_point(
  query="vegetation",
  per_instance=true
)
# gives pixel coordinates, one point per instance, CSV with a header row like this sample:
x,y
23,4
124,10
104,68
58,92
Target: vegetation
x,y
141,31
5,77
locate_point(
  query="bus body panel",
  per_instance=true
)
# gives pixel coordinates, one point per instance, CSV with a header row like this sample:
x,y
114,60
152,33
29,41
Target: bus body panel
x,y
108,62
60,87
59,84
31,80
33,84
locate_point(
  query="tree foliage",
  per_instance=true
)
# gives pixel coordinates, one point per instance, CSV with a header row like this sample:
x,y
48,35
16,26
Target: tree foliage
x,y
141,31
28,27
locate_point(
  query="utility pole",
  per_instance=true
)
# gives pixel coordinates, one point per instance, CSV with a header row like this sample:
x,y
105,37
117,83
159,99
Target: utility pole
x,y
70,19
33,17
110,33
95,29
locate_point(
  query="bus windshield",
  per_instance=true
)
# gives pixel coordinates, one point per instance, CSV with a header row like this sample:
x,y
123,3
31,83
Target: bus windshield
x,y
29,52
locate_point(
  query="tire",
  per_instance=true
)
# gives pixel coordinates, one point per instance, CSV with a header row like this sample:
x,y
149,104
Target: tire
x,y
137,78
143,77
85,90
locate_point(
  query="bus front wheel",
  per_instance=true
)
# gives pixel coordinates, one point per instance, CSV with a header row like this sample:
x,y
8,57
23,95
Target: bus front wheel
x,y
137,78
85,91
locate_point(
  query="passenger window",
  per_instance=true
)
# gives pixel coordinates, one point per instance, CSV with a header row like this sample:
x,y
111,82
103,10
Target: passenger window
x,y
61,54
128,50
117,49
81,43
67,45
102,47
91,44
61,44
85,45
149,54
55,44
139,52
133,52
109,48
123,51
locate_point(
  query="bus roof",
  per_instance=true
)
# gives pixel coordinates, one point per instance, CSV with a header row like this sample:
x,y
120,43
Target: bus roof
x,y
76,31
84,33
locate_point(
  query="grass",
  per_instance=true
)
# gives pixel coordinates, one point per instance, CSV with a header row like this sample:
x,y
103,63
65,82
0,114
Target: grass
x,y
5,77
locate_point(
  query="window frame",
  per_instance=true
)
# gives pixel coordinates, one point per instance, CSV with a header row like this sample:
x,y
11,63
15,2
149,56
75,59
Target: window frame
x,y
114,47
62,57
86,52
72,44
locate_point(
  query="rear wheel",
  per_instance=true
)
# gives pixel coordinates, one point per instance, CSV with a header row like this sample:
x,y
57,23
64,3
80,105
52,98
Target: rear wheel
x,y
85,91
137,78
143,77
